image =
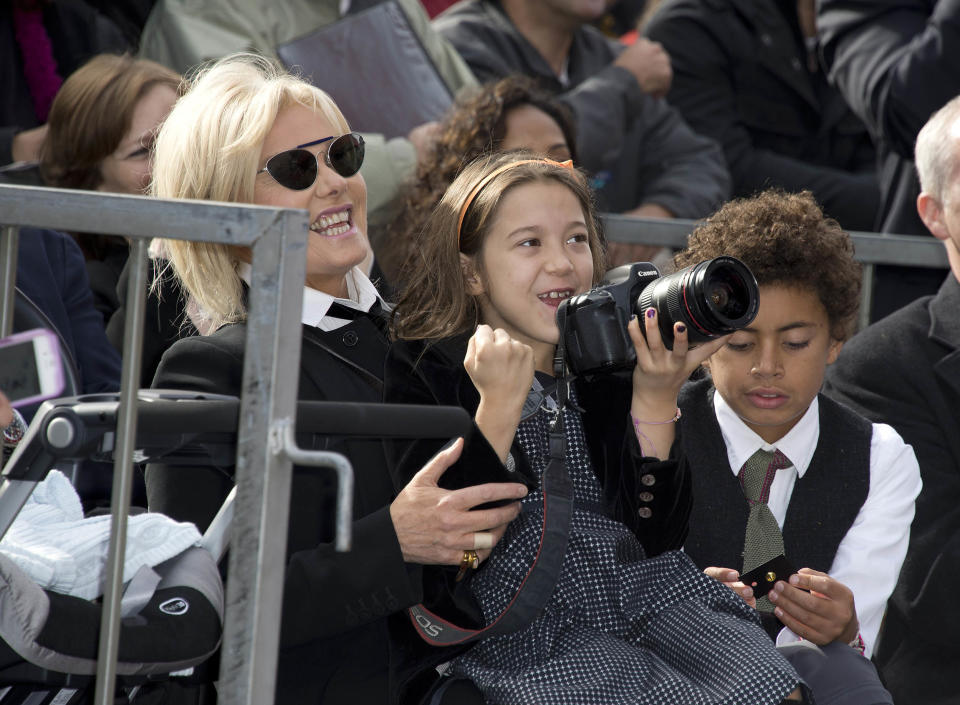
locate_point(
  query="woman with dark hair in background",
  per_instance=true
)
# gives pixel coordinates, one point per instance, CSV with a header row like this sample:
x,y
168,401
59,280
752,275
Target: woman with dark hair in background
x,y
512,113
99,135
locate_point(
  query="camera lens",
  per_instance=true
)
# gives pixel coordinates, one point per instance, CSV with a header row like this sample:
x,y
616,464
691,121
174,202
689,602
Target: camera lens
x,y
720,296
713,298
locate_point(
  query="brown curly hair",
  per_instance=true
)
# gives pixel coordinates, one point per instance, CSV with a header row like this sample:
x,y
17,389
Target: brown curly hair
x,y
475,125
785,239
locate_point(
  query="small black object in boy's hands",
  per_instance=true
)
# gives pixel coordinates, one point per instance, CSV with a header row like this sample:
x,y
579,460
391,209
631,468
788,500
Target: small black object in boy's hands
x,y
765,576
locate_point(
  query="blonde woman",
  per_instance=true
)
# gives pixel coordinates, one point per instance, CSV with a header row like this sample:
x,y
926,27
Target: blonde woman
x,y
247,132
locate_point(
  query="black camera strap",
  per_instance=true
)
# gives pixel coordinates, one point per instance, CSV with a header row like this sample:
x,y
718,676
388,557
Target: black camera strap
x,y
541,579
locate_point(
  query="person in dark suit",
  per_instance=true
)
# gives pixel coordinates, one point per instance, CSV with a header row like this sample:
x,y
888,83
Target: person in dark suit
x,y
291,147
745,73
895,62
904,370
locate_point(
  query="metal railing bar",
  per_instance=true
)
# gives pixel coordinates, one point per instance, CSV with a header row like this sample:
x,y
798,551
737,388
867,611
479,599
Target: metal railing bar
x,y
9,241
870,248
134,216
278,240
263,472
866,296
121,490
902,250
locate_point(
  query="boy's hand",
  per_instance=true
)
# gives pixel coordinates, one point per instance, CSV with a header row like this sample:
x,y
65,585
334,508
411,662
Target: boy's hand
x,y
731,579
823,615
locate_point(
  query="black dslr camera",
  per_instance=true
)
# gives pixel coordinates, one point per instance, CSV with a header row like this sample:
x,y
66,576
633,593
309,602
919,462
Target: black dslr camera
x,y
713,298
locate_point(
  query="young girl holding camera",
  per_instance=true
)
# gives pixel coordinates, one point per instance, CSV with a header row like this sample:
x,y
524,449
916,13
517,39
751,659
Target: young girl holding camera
x,y
628,619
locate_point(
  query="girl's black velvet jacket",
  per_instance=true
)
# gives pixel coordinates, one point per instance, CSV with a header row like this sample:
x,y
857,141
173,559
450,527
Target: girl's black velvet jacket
x,y
420,372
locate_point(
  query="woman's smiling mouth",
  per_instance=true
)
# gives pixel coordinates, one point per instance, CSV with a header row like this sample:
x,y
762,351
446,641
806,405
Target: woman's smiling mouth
x,y
333,224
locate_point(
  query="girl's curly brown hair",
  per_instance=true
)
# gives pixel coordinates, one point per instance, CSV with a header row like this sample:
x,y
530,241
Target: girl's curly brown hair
x,y
785,239
475,125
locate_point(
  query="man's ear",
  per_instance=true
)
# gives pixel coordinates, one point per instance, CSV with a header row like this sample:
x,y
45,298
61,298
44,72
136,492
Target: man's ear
x,y
471,279
931,213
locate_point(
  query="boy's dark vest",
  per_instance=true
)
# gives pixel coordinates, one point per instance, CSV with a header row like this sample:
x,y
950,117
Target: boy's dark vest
x,y
824,503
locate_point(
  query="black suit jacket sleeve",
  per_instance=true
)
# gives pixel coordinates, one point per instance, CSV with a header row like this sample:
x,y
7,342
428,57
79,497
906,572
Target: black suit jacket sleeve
x,y
896,61
325,593
434,379
437,378
887,374
650,496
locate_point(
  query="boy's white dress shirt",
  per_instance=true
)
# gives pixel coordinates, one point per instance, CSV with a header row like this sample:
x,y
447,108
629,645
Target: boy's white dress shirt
x,y
869,557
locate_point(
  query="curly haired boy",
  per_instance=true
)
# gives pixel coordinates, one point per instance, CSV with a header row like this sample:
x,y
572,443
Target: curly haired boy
x,y
779,469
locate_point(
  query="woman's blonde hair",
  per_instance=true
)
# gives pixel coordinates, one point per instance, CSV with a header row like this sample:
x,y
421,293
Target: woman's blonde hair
x,y
435,302
209,149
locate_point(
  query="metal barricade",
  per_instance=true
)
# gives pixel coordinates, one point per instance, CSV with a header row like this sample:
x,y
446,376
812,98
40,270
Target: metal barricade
x,y
870,248
277,238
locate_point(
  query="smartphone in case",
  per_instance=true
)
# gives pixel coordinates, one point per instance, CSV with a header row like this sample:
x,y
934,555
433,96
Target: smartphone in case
x,y
764,577
30,367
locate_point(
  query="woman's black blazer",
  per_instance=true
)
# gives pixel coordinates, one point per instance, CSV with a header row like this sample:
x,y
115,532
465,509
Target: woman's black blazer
x,y
334,645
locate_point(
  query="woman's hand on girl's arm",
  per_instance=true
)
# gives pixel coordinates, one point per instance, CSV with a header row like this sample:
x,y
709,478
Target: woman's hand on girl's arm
x,y
501,369
657,379
436,526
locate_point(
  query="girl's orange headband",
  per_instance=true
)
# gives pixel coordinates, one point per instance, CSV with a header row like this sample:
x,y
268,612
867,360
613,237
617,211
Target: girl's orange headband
x,y
568,164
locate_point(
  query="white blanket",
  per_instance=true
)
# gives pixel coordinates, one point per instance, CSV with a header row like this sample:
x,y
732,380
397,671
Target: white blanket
x,y
62,551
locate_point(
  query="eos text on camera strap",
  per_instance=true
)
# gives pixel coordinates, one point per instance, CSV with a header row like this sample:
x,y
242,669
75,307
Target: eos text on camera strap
x,y
539,582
